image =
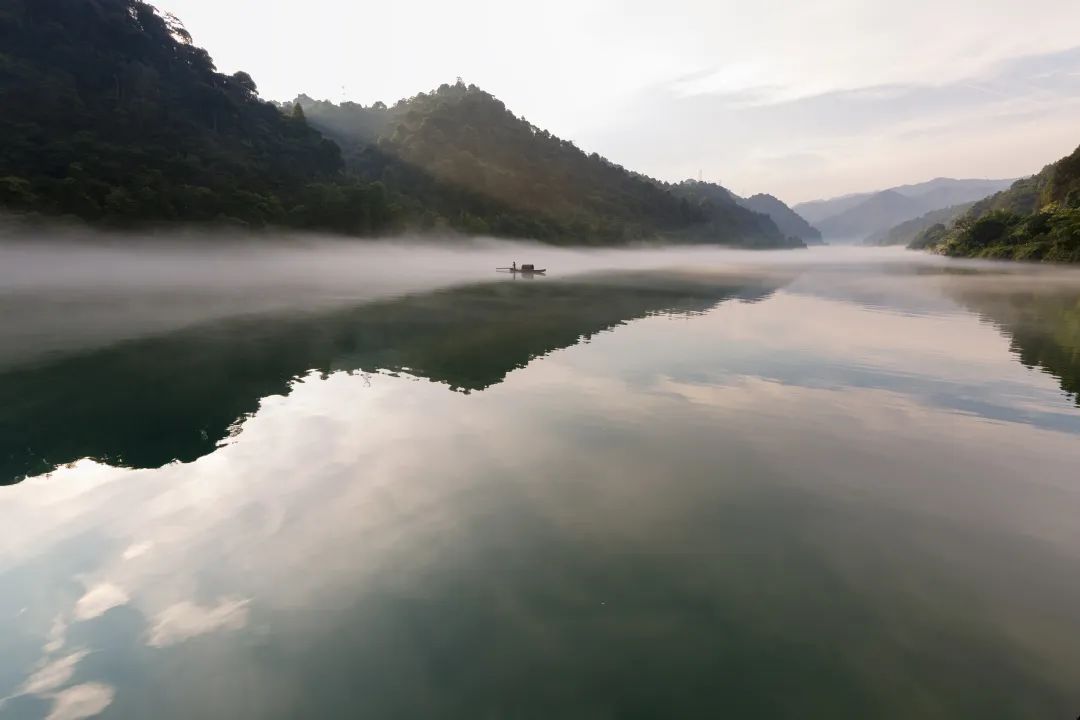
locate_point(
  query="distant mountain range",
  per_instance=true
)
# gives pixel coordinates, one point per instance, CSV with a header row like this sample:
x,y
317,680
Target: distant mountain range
x,y
861,216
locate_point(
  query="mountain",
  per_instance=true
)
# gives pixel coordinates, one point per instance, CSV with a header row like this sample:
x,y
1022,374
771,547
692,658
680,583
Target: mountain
x,y
945,192
511,178
907,231
879,211
789,222
111,114
725,210
861,216
1037,218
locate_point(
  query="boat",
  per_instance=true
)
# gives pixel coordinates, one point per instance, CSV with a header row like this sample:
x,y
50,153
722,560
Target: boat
x,y
527,269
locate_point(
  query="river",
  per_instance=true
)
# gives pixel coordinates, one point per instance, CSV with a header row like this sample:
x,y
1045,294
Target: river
x,y
385,481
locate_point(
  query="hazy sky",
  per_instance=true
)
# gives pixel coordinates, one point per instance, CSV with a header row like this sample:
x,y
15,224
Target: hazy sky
x,y
800,99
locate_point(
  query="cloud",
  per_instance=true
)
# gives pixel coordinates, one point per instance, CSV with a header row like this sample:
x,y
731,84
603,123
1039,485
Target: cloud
x,y
186,620
100,599
1008,119
81,701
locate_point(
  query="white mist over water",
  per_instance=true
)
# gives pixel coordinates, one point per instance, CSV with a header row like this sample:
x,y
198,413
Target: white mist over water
x,y
64,291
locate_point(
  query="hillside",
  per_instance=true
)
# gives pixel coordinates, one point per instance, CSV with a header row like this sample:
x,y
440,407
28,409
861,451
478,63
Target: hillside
x,y
861,216
791,224
906,232
514,179
111,114
726,212
1038,218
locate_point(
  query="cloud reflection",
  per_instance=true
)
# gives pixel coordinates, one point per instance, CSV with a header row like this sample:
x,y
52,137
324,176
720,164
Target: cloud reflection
x,y
100,599
81,701
186,620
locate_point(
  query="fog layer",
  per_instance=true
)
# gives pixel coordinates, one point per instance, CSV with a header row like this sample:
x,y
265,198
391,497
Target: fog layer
x,y
65,292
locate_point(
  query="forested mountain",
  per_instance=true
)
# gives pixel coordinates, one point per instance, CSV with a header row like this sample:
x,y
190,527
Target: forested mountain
x,y
907,231
791,224
863,216
108,112
509,177
1038,218
727,213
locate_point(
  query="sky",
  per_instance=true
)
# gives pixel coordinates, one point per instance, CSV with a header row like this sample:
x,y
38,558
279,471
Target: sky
x,y
803,100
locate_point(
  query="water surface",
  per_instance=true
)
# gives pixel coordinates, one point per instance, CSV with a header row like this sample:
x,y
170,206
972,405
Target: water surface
x,y
687,484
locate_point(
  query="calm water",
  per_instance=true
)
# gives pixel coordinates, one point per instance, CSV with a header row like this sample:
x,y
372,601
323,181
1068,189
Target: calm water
x,y
791,485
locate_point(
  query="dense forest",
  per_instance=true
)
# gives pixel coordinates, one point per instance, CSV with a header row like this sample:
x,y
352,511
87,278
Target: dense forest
x,y
508,177
1038,218
111,114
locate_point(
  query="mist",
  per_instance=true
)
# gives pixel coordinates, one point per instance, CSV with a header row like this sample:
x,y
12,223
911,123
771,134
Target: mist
x,y
64,291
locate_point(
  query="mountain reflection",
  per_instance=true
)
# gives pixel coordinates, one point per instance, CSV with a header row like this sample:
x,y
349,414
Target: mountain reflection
x,y
1043,328
146,402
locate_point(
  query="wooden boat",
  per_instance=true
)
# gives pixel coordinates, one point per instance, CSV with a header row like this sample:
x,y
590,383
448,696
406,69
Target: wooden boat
x,y
524,270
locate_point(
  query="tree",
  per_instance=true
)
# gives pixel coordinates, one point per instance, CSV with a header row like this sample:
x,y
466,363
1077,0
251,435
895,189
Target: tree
x,y
244,80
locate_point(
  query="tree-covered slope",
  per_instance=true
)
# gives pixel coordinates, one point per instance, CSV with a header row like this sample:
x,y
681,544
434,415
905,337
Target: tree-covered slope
x,y
1038,218
729,214
109,112
459,139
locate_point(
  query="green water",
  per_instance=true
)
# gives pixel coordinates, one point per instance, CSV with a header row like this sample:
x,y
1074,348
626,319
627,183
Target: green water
x,y
780,488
